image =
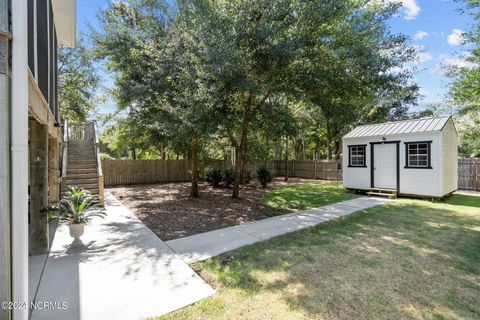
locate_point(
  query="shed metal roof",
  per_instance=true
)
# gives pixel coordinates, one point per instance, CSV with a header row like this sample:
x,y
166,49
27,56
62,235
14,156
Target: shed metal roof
x,y
399,127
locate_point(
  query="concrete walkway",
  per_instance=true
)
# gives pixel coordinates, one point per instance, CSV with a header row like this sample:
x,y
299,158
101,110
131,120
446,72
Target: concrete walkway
x,y
124,271
468,193
209,244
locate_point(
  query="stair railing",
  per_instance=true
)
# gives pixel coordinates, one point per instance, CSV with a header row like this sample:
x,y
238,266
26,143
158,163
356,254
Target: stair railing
x,y
96,141
63,181
76,132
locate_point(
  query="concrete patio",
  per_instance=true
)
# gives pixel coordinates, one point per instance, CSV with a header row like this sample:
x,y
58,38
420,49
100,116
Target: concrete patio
x,y
123,271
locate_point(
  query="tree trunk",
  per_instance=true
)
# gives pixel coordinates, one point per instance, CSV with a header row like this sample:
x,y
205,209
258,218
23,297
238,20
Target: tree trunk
x,y
162,151
329,149
304,154
278,151
338,148
194,189
134,154
329,141
239,161
286,159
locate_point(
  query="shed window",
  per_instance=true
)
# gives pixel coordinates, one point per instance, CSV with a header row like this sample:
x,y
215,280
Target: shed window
x,y
356,156
418,155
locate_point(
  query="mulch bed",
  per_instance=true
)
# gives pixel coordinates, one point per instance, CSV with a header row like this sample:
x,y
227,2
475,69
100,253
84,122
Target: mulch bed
x,y
168,210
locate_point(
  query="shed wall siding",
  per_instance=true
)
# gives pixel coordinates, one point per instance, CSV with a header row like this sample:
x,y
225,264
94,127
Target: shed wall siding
x,y
356,178
450,159
425,182
412,181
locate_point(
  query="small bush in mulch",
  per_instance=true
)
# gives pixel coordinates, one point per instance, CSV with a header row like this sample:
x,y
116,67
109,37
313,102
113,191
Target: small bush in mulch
x,y
228,177
247,177
264,176
213,176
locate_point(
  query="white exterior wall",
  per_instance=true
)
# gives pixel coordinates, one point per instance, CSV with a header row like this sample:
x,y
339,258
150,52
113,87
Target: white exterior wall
x,y
356,178
425,182
449,158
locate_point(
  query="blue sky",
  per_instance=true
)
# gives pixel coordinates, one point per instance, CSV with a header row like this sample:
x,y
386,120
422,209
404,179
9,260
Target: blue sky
x,y
434,26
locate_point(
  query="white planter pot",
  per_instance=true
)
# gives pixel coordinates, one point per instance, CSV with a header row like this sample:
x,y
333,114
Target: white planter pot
x,y
76,231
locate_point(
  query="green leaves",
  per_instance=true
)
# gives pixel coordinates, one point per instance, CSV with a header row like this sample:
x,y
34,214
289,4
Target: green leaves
x,y
77,206
232,69
465,87
78,82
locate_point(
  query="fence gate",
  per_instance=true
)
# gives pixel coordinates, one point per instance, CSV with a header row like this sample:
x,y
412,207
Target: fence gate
x,y
469,174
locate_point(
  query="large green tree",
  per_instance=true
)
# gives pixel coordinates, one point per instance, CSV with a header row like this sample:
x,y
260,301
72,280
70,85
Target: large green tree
x,y
78,82
338,56
248,48
465,88
159,73
237,69
347,73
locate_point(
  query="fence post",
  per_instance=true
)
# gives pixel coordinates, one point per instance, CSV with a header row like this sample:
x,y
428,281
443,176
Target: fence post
x,y
315,169
474,175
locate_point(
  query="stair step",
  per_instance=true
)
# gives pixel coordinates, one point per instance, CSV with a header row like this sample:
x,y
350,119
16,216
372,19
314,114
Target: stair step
x,y
93,192
82,161
380,194
384,190
74,160
81,166
81,181
85,185
71,171
88,175
76,164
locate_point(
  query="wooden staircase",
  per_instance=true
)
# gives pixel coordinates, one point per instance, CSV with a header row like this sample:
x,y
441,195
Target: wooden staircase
x,y
81,160
82,169
379,192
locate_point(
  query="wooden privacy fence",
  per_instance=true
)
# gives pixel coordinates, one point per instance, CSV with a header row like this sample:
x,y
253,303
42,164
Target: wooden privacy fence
x,y
310,169
123,172
468,174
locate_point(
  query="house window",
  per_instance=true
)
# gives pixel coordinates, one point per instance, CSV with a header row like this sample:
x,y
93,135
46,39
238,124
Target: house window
x,y
418,155
356,156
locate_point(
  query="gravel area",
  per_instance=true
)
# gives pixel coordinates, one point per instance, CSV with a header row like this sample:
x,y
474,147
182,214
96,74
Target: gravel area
x,y
168,210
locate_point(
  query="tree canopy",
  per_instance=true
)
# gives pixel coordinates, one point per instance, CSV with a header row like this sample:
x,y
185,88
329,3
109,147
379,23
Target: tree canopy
x,y
201,75
465,88
78,82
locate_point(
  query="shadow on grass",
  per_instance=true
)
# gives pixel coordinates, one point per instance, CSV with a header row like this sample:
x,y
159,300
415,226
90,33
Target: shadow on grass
x,y
407,259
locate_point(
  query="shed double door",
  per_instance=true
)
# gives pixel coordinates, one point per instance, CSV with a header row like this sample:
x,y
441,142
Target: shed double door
x,y
385,166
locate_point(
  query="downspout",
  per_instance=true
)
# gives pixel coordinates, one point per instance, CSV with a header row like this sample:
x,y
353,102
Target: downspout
x,y
19,157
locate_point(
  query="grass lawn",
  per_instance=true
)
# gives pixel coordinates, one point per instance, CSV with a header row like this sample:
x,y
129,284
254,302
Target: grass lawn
x,y
409,259
303,196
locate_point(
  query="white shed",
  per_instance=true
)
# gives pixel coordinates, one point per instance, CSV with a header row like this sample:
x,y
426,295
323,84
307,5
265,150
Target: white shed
x,y
411,157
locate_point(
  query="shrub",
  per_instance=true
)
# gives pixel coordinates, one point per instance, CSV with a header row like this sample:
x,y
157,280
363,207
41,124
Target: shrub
x,y
228,176
213,176
264,176
77,206
247,177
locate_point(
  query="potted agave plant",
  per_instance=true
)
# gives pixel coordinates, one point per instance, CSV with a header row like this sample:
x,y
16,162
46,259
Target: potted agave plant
x,y
77,207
